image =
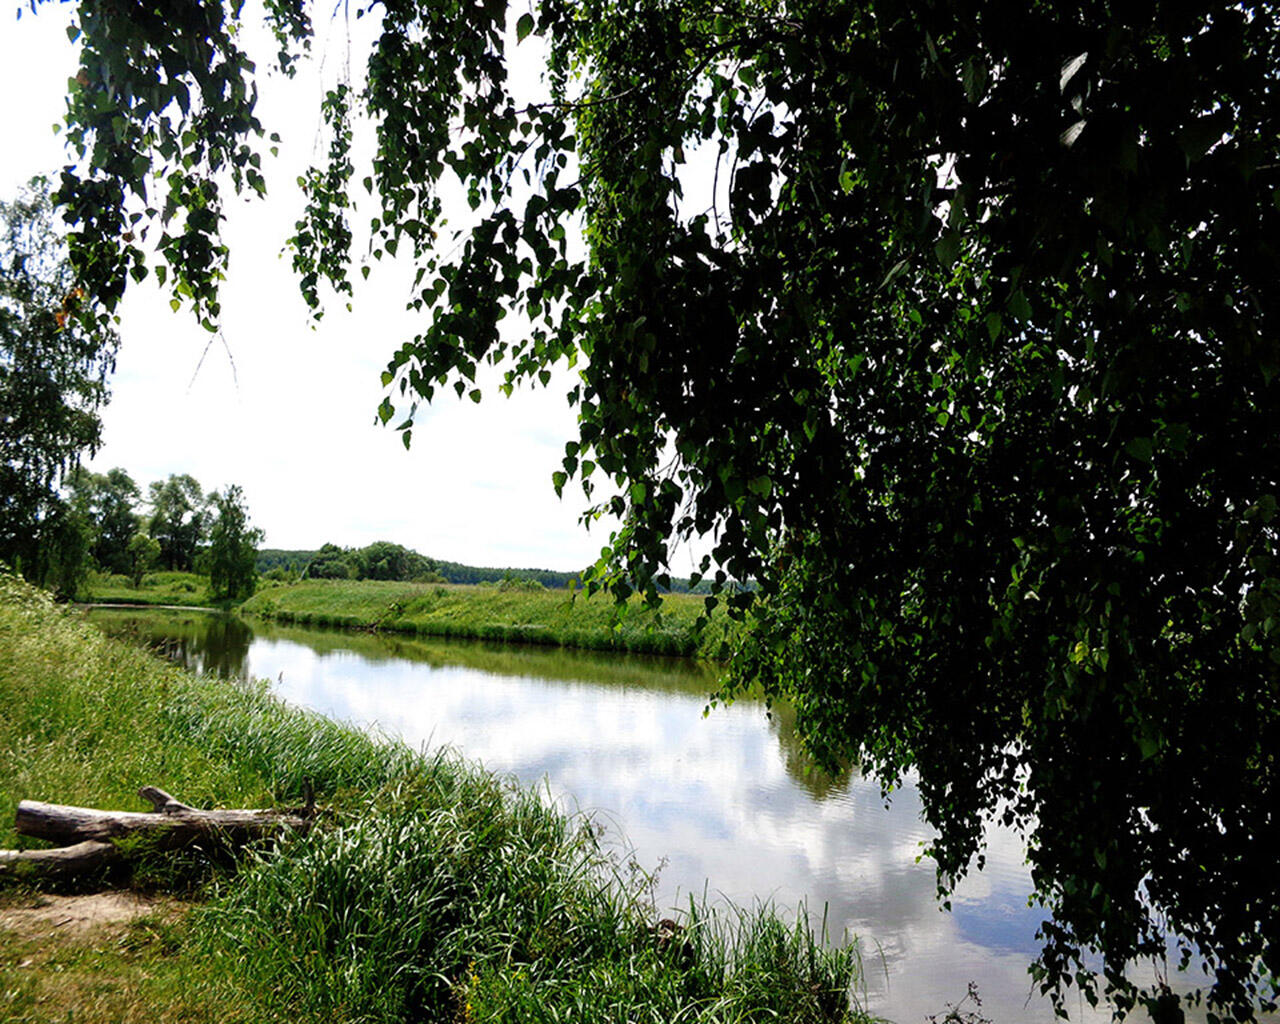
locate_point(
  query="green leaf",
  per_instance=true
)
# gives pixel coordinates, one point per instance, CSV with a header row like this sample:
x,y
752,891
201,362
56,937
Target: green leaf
x,y
995,325
1140,448
947,248
1020,307
524,26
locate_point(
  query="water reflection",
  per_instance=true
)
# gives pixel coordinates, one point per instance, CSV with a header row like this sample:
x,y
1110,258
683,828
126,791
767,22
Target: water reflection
x,y
206,642
726,804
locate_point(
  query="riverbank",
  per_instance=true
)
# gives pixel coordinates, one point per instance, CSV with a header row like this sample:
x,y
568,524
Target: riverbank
x,y
521,614
432,890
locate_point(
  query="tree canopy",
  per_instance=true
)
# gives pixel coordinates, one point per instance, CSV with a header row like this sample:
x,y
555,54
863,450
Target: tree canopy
x,y
952,324
53,371
233,547
381,560
179,519
108,500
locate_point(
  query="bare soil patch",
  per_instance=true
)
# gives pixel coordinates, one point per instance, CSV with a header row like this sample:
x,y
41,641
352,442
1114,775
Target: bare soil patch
x,y
46,916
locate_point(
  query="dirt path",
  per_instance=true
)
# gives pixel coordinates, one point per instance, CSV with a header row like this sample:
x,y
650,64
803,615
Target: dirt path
x,y
47,916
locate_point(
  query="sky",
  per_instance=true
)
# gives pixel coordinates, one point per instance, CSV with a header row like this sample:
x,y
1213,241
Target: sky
x,y
283,407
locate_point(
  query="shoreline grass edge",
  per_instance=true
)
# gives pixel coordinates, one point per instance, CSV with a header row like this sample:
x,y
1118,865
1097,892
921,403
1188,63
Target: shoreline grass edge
x,y
532,615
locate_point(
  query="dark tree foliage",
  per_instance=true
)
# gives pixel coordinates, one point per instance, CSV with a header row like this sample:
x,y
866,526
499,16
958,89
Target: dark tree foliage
x,y
53,373
233,547
109,501
331,563
289,563
455,572
179,519
952,323
383,560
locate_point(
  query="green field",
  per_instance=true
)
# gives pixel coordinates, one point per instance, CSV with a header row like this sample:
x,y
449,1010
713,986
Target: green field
x,y
173,588
429,890
525,614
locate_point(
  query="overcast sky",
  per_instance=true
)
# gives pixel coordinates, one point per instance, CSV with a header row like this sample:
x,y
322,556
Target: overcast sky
x,y
286,409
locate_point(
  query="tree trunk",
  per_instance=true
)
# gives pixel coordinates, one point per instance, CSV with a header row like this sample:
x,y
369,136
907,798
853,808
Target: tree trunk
x,y
175,821
85,833
80,859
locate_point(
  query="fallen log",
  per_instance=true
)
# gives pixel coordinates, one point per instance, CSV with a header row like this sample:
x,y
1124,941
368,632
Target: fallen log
x,y
172,822
77,860
86,834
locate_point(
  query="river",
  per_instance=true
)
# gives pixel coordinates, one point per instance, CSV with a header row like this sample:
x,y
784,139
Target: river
x,y
723,804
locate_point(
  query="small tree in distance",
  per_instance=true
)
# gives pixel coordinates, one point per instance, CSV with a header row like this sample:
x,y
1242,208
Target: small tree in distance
x,y
233,547
143,554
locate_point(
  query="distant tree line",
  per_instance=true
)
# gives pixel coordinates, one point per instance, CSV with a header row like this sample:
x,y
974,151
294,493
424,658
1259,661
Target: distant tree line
x,y
281,564
384,560
177,527
455,572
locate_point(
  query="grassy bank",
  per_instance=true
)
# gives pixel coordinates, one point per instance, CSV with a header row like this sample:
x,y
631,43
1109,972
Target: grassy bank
x,y
167,588
490,612
433,891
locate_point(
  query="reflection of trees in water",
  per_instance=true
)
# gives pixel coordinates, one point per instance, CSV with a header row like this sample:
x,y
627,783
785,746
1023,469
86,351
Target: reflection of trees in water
x,y
211,644
561,664
800,767
226,648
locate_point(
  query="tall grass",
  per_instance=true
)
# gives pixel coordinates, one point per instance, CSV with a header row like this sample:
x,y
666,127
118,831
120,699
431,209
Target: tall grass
x,y
464,900
429,889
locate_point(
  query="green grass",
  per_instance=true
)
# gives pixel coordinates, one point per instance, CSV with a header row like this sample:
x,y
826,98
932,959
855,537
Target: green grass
x,y
491,612
431,890
172,588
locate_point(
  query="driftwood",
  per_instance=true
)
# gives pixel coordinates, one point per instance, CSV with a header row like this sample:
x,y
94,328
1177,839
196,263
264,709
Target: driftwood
x,y
85,834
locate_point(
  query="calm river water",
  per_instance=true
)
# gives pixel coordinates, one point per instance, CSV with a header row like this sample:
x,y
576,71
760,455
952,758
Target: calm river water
x,y
722,804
